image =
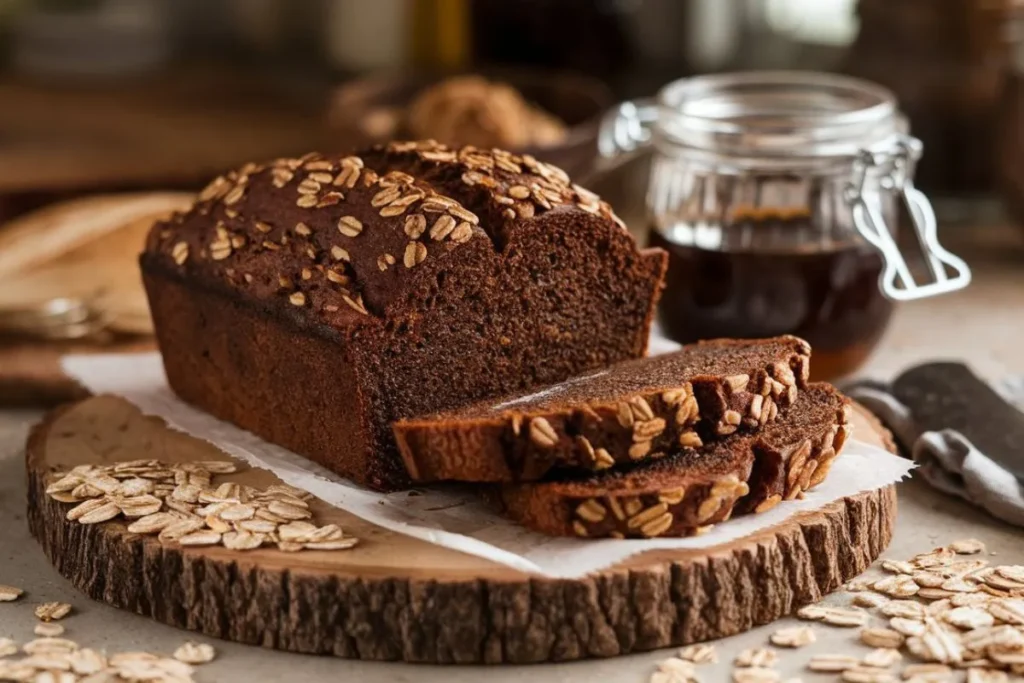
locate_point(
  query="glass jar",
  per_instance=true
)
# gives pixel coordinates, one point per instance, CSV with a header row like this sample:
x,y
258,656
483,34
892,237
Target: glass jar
x,y
776,195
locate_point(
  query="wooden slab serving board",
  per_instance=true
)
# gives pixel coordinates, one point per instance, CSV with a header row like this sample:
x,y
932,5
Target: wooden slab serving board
x,y
398,598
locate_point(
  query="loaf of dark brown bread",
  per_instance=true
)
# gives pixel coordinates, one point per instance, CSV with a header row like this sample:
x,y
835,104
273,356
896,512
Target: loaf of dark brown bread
x,y
680,495
314,301
632,411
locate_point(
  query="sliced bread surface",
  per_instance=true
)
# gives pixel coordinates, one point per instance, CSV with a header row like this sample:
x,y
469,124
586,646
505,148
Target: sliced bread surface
x,y
629,412
682,494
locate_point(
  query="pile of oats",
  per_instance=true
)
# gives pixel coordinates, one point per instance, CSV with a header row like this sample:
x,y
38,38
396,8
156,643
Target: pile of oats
x,y
179,502
942,610
59,660
52,659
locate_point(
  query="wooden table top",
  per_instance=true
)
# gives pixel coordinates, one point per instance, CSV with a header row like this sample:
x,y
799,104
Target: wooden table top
x,y
983,325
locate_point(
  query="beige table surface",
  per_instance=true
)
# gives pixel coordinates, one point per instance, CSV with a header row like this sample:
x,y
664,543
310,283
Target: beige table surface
x,y
984,324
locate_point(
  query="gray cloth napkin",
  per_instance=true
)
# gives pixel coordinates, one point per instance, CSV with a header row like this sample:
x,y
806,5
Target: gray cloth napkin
x,y
967,436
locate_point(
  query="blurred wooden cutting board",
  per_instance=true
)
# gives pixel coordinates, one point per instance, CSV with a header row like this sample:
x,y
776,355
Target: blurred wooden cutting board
x,y
83,249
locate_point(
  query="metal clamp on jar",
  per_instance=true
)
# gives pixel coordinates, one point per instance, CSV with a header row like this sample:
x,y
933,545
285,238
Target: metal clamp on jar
x,y
776,195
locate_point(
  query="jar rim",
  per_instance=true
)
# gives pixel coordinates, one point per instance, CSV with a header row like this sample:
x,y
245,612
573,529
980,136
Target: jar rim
x,y
777,114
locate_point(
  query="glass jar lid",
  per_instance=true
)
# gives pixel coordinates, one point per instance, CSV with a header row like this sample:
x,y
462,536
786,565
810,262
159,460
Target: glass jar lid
x,y
778,115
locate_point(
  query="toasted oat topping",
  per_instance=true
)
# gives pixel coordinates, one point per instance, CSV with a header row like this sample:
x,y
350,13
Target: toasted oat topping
x,y
344,194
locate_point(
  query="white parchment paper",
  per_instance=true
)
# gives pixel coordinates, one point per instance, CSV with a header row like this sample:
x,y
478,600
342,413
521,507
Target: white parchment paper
x,y
452,516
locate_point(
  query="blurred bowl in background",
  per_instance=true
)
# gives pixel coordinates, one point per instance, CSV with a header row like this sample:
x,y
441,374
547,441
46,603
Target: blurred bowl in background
x,y
376,108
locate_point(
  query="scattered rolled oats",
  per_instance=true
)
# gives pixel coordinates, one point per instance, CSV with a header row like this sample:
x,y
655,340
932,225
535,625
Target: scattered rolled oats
x,y
928,579
861,674
179,503
832,663
948,612
57,660
793,637
195,653
668,672
48,646
963,599
934,593
1012,572
959,585
936,645
858,584
1008,610
667,677
811,612
869,599
10,593
968,618
898,567
203,537
927,673
757,657
48,629
899,586
755,674
881,637
52,611
837,616
882,658
87,662
907,609
968,546
699,654
339,544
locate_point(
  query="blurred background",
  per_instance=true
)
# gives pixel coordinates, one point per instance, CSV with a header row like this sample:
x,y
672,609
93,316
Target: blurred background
x,y
139,96
116,94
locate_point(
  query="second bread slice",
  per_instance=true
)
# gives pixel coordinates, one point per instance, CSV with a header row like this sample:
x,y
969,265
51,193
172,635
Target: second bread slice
x,y
681,495
630,412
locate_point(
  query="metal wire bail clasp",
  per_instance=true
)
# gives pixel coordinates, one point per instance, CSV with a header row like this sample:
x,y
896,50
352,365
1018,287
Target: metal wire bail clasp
x,y
625,130
896,280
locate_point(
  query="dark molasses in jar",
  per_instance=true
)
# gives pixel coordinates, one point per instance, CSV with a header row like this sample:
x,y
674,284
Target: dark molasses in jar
x,y
824,292
777,196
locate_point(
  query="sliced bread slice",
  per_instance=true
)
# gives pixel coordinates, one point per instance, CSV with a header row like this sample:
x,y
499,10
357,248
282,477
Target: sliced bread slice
x,y
682,494
629,412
